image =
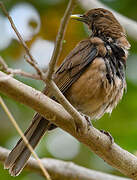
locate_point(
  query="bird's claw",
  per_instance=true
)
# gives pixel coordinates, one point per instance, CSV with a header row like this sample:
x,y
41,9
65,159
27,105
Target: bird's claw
x,y
89,123
77,127
109,135
88,119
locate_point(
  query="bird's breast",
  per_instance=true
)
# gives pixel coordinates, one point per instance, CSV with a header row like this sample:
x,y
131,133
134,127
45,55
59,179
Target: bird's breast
x,y
93,94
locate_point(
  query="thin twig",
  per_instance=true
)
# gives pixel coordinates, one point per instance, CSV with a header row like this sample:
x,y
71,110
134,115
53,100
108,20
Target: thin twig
x,y
22,73
24,138
16,31
59,39
36,67
4,67
20,37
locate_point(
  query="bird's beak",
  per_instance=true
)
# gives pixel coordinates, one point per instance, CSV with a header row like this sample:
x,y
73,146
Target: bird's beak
x,y
79,17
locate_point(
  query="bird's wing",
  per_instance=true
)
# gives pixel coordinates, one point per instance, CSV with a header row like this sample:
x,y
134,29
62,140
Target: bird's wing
x,y
75,64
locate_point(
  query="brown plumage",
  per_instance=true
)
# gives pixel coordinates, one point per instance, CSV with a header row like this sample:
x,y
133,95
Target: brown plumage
x,y
92,77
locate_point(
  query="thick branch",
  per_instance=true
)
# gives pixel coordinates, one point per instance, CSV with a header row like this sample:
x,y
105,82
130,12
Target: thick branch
x,y
99,143
63,170
130,25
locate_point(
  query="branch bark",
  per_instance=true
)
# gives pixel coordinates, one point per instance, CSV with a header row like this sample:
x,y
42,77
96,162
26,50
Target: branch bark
x,y
99,143
129,24
63,170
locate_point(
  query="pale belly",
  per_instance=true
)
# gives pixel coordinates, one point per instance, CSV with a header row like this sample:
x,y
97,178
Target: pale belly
x,y
92,94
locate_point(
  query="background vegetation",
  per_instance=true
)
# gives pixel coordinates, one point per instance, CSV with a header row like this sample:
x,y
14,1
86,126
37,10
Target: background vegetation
x,y
38,22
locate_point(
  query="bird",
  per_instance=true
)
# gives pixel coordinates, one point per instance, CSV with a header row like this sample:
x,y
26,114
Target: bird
x,y
91,77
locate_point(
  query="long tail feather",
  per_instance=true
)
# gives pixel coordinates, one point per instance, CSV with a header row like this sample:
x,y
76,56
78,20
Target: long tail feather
x,y
20,153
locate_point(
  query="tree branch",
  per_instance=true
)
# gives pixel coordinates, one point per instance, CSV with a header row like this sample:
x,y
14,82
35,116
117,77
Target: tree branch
x,y
16,31
4,67
63,170
59,39
99,143
130,25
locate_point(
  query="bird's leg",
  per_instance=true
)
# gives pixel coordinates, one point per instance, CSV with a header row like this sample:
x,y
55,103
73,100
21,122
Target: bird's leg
x,y
109,135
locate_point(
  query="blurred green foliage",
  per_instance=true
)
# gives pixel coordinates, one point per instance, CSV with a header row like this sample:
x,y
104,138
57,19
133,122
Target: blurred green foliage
x,y
122,124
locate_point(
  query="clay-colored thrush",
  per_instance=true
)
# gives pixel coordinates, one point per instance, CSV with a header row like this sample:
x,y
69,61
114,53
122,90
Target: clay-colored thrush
x,y
92,78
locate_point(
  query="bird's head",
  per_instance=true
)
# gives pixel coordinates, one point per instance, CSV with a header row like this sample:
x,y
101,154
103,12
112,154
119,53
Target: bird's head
x,y
102,23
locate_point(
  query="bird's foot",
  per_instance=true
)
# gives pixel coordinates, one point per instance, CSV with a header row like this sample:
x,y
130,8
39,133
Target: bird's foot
x,y
109,135
79,127
88,119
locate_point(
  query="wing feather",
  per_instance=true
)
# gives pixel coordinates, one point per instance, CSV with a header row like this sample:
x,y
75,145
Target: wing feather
x,y
75,64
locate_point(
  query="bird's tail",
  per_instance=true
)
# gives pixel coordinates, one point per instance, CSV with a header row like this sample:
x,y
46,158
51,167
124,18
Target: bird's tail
x,y
20,153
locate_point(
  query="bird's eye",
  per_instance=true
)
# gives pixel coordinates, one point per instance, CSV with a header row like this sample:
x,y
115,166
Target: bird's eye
x,y
95,15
